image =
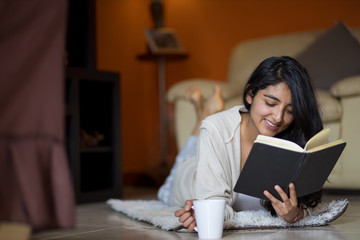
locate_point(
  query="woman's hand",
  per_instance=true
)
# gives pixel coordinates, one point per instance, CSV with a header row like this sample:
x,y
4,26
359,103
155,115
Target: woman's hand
x,y
186,216
288,207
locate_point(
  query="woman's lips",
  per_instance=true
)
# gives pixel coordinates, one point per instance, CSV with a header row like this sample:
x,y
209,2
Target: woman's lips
x,y
271,125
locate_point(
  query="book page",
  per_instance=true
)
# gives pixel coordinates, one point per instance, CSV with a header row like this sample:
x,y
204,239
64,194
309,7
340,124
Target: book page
x,y
319,139
327,145
278,142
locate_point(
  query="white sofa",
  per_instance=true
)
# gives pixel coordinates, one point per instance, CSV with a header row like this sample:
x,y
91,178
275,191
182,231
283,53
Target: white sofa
x,y
340,106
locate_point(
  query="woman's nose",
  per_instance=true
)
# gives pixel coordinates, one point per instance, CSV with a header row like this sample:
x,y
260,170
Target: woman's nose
x,y
278,115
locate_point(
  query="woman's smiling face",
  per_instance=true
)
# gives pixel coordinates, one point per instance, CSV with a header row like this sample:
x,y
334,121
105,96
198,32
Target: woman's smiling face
x,y
271,109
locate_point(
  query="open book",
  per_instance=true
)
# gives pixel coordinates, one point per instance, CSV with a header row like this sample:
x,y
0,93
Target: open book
x,y
274,161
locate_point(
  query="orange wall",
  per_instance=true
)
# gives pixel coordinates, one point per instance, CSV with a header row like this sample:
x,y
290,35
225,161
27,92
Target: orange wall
x,y
208,30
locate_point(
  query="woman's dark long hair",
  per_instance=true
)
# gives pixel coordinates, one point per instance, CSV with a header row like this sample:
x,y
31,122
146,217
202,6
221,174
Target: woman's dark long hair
x,y
307,121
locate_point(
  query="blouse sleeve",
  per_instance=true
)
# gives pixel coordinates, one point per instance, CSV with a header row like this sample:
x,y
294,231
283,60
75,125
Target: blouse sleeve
x,y
213,177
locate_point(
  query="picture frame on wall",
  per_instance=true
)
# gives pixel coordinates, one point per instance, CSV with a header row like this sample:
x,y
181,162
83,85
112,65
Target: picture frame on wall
x,y
163,41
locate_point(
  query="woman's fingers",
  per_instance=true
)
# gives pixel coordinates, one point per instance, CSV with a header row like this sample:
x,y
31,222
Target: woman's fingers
x,y
286,205
269,196
282,194
186,216
188,205
190,220
186,208
293,196
191,227
180,212
274,201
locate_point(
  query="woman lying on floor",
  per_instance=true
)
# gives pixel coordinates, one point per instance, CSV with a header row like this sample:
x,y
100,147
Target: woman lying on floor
x,y
278,101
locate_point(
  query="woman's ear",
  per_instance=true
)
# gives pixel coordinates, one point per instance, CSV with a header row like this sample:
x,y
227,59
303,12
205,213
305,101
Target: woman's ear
x,y
249,97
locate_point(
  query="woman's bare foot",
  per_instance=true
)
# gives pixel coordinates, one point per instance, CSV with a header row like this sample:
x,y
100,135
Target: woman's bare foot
x,y
212,105
194,94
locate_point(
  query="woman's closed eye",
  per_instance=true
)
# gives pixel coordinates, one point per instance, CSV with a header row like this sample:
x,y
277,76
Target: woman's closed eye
x,y
269,104
290,111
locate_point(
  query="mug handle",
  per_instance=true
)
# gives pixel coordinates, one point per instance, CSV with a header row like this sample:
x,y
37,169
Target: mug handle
x,y
195,228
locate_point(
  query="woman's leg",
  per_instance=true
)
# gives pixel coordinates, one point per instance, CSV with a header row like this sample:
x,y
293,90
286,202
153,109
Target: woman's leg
x,y
203,109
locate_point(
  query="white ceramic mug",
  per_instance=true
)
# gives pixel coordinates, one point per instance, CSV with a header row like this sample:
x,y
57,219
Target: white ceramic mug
x,y
209,215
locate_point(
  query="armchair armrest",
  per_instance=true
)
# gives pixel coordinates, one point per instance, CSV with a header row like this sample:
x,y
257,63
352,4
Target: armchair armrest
x,y
346,87
206,87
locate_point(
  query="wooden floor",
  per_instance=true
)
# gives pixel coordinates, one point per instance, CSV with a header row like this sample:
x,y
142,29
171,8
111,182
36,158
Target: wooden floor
x,y
96,221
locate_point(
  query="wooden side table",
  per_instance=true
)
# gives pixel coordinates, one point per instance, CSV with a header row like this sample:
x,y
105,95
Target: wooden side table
x,y
161,61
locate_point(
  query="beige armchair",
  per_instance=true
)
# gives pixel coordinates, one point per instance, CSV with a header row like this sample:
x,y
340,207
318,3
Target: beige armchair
x,y
339,106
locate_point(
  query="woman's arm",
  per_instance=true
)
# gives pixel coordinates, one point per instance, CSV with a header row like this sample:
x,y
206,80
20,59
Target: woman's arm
x,y
218,167
214,175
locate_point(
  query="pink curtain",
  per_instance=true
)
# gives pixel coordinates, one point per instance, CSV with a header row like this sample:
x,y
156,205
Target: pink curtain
x,y
35,184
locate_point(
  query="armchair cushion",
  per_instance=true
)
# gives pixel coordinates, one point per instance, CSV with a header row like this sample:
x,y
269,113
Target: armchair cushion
x,y
330,107
333,56
346,87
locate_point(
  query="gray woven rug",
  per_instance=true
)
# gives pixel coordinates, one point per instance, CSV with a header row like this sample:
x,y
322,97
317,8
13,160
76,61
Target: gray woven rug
x,y
160,215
